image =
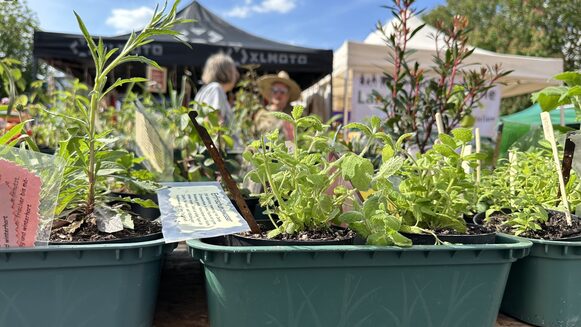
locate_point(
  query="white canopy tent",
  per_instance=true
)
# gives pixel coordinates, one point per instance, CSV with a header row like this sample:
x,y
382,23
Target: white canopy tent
x,y
370,56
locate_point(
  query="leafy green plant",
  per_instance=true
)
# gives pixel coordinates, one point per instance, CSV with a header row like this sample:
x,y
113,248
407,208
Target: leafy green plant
x,y
425,194
552,97
298,177
527,186
90,159
413,98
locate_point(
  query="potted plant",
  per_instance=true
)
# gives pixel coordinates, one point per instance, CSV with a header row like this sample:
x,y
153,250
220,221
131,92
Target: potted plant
x,y
104,284
348,285
423,198
522,199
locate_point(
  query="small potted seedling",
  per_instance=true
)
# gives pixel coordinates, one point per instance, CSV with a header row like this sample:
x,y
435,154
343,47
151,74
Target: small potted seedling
x,y
521,193
350,285
298,180
106,284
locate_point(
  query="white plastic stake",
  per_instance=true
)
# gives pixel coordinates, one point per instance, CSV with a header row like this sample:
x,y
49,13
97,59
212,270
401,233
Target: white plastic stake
x,y
479,167
439,123
562,115
550,137
466,152
512,160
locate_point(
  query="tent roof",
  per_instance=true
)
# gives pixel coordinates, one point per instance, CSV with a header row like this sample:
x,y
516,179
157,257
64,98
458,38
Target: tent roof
x,y
209,28
529,73
209,34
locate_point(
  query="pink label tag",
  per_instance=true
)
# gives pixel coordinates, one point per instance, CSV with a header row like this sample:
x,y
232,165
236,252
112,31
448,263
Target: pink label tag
x,y
24,198
7,226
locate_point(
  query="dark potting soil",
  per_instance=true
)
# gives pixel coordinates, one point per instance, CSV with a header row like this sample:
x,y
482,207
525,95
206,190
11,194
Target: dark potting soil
x,y
555,228
471,229
327,235
88,232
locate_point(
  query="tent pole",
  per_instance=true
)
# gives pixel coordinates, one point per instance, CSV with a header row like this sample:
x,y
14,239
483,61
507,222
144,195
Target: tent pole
x,y
345,96
332,100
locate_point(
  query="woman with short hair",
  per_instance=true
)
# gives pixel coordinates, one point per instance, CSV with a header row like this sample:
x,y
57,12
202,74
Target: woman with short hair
x,y
219,76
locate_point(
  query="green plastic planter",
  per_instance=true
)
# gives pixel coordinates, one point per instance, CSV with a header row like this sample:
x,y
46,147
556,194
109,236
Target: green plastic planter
x,y
544,289
81,285
357,285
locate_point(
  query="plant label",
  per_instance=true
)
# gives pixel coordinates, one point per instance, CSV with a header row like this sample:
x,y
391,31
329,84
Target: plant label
x,y
478,149
24,200
439,123
198,210
550,136
7,226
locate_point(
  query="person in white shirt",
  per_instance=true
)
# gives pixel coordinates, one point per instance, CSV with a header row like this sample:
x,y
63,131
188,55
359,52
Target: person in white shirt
x,y
219,76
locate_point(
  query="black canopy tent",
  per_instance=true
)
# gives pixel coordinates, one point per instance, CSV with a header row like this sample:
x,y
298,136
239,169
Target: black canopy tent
x,y
209,34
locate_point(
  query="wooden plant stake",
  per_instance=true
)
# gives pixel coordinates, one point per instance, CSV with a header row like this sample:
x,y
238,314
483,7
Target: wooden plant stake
x,y
478,148
567,159
230,183
550,137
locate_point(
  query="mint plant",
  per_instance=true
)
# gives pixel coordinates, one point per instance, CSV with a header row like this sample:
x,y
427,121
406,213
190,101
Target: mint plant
x,y
527,187
425,194
298,177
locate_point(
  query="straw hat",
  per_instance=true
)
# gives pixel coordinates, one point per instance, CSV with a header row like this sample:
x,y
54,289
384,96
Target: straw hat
x,y
266,81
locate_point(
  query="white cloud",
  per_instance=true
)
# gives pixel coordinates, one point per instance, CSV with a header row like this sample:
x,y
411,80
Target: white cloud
x,y
127,20
265,6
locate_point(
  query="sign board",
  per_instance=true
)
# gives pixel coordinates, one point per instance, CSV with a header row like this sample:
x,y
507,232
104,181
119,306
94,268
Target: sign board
x,y
364,104
197,210
488,113
157,79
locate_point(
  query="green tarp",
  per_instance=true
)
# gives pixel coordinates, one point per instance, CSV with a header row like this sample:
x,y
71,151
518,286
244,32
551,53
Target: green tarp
x,y
520,123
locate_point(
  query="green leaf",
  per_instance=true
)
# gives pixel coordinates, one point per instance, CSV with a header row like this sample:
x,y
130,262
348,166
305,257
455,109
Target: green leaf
x,y
282,116
402,139
13,132
350,217
400,240
462,134
570,78
358,171
361,127
448,140
387,153
297,112
445,150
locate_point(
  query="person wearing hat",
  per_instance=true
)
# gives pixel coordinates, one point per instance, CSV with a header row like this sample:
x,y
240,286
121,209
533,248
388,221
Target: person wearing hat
x,y
280,90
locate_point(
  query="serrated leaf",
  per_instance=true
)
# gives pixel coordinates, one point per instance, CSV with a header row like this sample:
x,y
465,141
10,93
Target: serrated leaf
x,y
448,140
297,112
282,116
361,127
462,134
358,171
387,153
351,216
445,150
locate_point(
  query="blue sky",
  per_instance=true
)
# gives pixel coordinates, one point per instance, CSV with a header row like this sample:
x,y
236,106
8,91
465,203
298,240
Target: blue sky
x,y
313,23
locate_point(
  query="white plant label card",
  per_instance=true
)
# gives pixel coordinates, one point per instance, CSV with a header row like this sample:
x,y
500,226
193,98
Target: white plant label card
x,y
198,210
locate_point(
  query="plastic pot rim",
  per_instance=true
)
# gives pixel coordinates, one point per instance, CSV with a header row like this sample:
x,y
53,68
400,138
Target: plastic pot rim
x,y
510,242
69,247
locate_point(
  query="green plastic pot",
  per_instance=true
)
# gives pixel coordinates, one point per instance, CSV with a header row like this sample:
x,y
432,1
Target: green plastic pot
x,y
81,285
544,289
357,285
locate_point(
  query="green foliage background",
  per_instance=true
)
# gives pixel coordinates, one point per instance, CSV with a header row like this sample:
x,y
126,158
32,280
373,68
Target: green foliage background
x,y
545,28
17,25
